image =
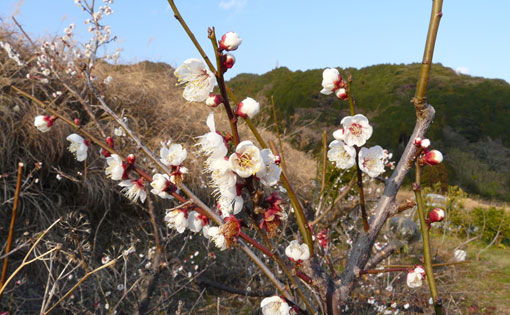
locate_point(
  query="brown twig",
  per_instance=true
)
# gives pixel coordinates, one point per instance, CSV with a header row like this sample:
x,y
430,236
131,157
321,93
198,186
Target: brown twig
x,y
11,226
25,261
324,161
335,202
277,129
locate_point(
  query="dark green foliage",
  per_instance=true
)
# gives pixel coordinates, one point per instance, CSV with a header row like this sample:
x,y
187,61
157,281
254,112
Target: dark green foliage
x,y
470,112
494,220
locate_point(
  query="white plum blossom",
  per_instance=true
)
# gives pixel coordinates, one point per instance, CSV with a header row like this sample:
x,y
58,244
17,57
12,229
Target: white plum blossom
x,y
217,237
246,160
343,155
212,144
119,132
331,80
459,255
274,305
172,156
160,183
78,146
194,222
297,252
108,80
133,189
248,108
222,176
115,169
371,161
339,134
357,130
230,41
269,174
43,123
415,277
199,80
176,219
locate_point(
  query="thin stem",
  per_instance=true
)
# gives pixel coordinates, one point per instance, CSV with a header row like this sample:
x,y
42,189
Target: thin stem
x,y
26,261
266,271
285,269
342,196
232,119
361,192
324,161
85,277
426,241
280,144
179,18
349,95
11,227
433,265
420,100
298,209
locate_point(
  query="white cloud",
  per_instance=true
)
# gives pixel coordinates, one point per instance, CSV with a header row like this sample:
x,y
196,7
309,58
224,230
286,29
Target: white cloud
x,y
462,70
232,4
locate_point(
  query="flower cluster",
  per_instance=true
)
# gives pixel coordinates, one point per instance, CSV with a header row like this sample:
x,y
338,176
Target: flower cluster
x,y
12,53
427,156
354,133
227,172
332,82
273,215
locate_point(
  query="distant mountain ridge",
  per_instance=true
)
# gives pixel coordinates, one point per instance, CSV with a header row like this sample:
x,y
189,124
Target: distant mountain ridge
x,y
472,123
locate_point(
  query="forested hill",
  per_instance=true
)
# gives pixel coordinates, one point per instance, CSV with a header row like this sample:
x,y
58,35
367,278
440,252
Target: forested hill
x,y
472,124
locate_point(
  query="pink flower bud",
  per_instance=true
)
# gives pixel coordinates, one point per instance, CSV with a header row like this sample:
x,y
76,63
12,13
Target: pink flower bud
x,y
109,141
425,143
105,153
131,159
228,60
417,141
433,157
341,94
248,108
76,121
436,215
230,41
214,100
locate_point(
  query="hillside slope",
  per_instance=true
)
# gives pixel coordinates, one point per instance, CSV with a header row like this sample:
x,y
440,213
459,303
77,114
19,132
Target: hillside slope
x,y
471,126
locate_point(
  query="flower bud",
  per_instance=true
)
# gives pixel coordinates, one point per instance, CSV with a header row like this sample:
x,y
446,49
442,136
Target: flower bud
x,y
228,60
214,100
341,94
433,157
131,159
436,215
109,141
417,141
230,41
104,153
248,108
76,121
425,143
44,122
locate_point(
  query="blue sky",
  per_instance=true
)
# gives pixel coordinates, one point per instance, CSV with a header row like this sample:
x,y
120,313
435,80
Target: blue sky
x,y
473,35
